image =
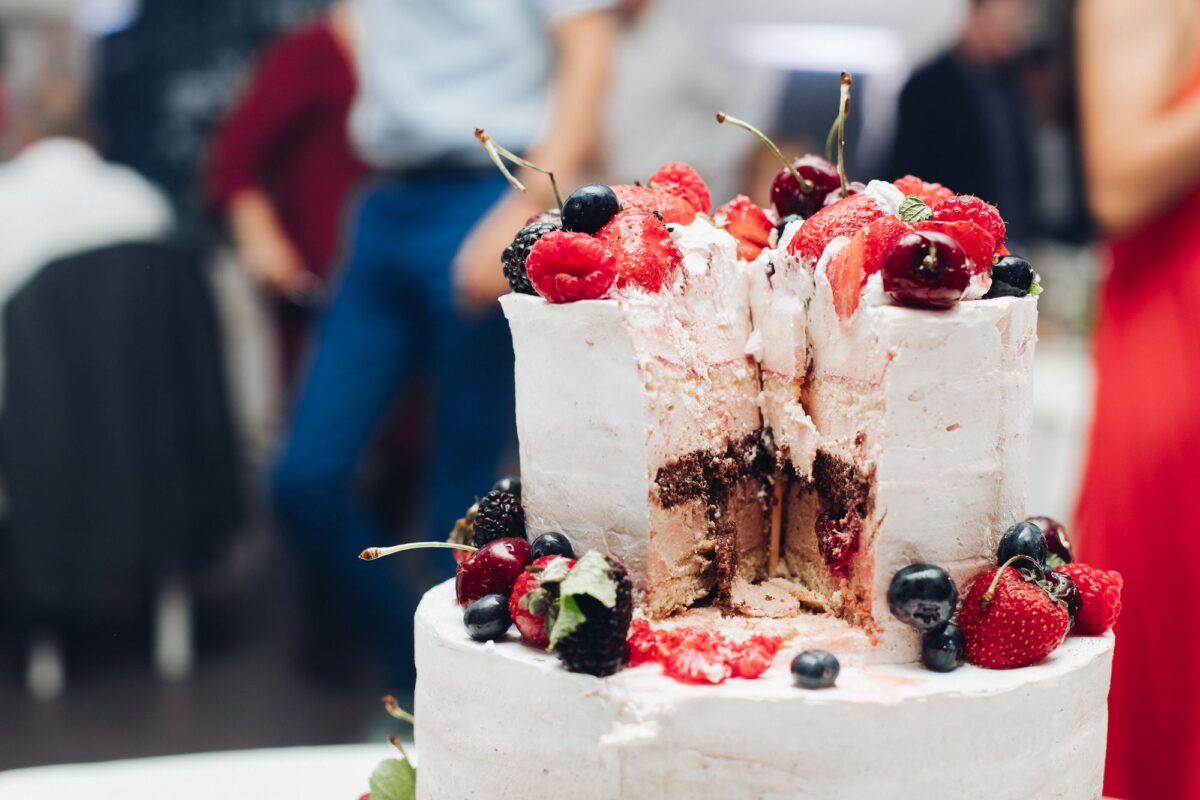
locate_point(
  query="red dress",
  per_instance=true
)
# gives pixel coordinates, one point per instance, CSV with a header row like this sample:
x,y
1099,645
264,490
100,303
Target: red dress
x,y
1139,512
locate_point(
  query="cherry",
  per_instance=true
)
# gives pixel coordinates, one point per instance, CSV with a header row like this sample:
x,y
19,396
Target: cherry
x,y
1056,537
926,269
788,192
1063,587
492,569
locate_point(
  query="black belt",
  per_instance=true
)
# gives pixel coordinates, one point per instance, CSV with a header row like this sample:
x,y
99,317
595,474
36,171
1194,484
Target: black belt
x,y
443,168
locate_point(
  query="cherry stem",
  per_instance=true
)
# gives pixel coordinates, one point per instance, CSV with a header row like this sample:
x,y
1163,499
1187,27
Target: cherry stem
x,y
498,154
395,742
372,553
805,184
394,710
991,590
837,132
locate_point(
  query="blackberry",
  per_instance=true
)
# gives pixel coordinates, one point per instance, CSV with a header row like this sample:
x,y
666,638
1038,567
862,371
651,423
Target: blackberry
x,y
498,515
599,646
515,254
784,222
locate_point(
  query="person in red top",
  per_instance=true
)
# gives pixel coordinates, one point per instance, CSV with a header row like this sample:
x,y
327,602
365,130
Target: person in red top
x,y
1139,70
282,168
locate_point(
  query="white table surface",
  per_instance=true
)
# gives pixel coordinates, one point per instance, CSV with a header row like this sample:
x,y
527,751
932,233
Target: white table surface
x,y
296,773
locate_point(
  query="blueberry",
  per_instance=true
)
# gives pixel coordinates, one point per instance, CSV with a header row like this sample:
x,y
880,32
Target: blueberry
x,y
589,207
1063,587
783,223
1001,289
943,649
510,484
487,618
815,669
552,544
922,595
1023,539
1014,271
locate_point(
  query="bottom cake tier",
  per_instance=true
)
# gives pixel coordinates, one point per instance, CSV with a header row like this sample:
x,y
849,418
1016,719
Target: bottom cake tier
x,y
502,720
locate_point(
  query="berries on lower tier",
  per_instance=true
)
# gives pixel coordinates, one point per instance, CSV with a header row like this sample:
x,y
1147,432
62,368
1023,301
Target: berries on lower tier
x,y
645,254
530,602
498,515
589,208
943,649
1023,539
1063,587
487,618
492,569
682,181
701,655
1001,289
1014,271
552,543
747,223
1058,544
968,208
510,484
926,269
595,608
566,266
815,669
923,596
514,256
1100,597
838,539
1011,621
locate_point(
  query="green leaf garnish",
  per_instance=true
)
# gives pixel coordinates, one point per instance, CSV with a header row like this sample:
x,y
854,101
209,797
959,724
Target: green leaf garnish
x,y
591,576
1036,287
394,779
914,209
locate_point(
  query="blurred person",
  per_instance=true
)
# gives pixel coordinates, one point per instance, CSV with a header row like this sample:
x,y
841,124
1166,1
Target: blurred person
x,y
282,169
423,270
1139,76
960,120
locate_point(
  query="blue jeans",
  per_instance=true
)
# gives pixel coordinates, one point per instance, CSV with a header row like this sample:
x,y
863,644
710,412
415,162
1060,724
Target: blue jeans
x,y
394,311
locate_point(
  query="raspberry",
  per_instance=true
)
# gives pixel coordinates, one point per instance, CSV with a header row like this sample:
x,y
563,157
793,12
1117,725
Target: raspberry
x,y
1101,597
565,267
838,539
684,182
968,208
642,246
672,208
513,258
978,243
931,193
498,515
842,218
747,223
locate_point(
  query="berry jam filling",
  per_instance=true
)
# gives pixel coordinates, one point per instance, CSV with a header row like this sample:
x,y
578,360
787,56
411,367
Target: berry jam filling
x,y
838,539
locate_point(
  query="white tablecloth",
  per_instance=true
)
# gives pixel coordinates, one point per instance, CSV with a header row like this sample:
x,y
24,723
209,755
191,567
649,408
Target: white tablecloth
x,y
294,773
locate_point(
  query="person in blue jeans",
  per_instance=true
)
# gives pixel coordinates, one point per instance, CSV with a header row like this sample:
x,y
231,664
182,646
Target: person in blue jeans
x,y
423,270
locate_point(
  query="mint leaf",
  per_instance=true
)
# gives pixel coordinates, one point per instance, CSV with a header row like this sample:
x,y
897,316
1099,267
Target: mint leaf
x,y
569,617
591,576
394,779
1055,560
914,209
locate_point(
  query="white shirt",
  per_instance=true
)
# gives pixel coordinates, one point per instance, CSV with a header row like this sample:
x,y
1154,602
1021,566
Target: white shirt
x,y
431,71
58,197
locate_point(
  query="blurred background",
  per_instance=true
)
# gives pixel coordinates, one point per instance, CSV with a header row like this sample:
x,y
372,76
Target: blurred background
x,y
176,201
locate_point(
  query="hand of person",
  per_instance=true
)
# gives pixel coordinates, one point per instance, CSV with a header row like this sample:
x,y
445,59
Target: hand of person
x,y
274,263
478,276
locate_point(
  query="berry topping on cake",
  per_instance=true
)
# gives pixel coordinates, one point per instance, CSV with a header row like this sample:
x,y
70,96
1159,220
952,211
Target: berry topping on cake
x,y
815,669
492,569
498,515
880,236
1013,276
589,208
747,223
591,619
978,243
1010,621
1058,544
514,256
930,193
968,208
923,596
846,272
1063,587
510,484
1023,539
787,191
671,208
943,649
837,540
552,544
843,218
682,181
700,655
642,247
925,269
487,618
530,601
549,215
1100,593
565,266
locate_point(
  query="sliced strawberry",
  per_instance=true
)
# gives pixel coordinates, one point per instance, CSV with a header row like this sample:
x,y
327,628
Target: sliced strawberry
x,y
847,275
843,218
881,235
684,182
646,256
527,607
978,243
672,208
747,223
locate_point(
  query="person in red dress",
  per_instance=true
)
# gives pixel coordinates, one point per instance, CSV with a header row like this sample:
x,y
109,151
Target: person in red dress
x,y
282,168
1139,70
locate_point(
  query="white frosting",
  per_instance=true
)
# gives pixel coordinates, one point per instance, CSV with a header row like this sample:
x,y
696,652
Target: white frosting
x,y
506,721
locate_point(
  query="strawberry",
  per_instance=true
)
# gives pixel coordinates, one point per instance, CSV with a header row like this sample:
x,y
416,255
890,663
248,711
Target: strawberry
x,y
700,655
527,609
979,244
1101,593
747,223
682,180
881,235
644,252
672,208
1009,621
564,266
931,193
847,275
696,666
968,208
753,657
842,218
